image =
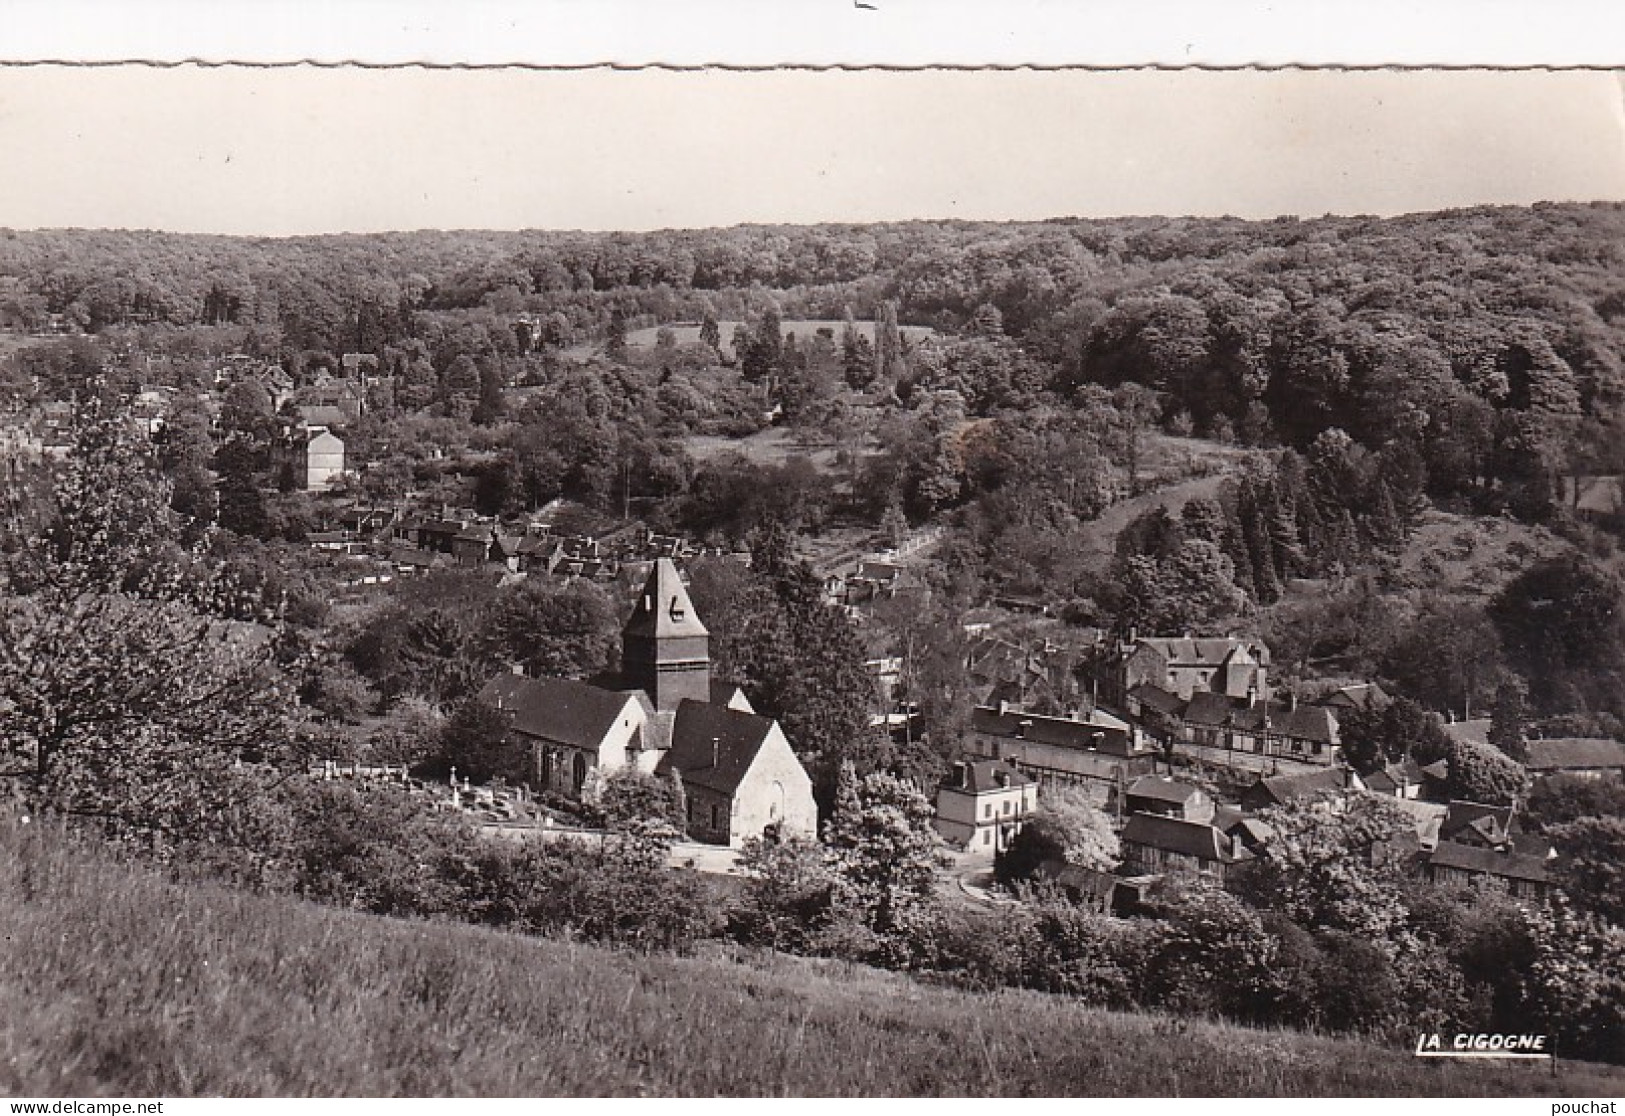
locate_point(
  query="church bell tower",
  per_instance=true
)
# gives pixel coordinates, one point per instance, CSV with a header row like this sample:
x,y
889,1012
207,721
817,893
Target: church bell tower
x,y
665,650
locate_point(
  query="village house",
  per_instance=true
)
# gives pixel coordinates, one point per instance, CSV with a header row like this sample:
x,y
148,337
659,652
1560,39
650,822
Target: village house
x,y
663,715
1524,875
1154,844
1581,757
1094,751
1403,780
1278,790
318,457
1363,695
983,804
1219,723
1168,797
1181,665
1476,823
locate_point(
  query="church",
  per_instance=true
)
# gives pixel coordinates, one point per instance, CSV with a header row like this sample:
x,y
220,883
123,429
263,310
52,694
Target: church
x,y
664,715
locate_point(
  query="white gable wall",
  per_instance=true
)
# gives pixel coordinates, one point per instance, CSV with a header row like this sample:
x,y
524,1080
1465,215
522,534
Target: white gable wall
x,y
775,791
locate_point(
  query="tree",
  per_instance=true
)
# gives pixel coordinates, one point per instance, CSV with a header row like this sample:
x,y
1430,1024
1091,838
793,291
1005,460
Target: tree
x,y
630,801
789,893
1480,773
1559,799
1320,872
126,696
987,321
552,630
476,743
615,338
1372,737
885,851
888,346
1507,722
1592,867
1066,827
711,332
1560,620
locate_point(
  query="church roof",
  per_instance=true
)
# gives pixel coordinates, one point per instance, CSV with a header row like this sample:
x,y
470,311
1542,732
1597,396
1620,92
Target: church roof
x,y
556,709
663,610
714,746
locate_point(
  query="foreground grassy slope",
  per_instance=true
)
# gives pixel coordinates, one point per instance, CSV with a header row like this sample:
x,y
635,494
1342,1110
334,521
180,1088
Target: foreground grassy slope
x,y
118,983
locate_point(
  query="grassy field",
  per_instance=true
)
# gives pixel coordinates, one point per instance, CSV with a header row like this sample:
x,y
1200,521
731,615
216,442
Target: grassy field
x,y
1472,556
1173,470
119,983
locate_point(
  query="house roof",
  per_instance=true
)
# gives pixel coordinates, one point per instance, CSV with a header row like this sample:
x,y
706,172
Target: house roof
x,y
1507,865
723,693
1426,816
1492,823
1476,731
1185,651
1206,708
1060,731
1574,754
1288,788
1155,697
1306,722
663,610
1163,789
982,777
322,415
713,746
557,709
1175,835
1078,879
1363,695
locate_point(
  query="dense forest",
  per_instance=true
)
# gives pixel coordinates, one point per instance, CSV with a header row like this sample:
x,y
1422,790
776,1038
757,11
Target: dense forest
x,y
1005,379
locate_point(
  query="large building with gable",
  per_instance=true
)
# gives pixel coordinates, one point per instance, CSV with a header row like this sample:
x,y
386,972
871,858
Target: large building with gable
x,y
663,715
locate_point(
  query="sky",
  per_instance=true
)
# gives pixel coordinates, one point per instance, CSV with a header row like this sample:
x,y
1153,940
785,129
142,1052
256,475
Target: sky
x,y
314,150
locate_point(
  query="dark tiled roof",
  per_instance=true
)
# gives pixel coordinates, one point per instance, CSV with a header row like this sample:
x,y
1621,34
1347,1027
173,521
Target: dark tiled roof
x,y
1079,880
663,610
1188,838
1200,652
1507,865
713,746
1491,822
1288,788
1476,731
1212,709
1574,753
1364,695
1060,731
723,692
405,556
1155,697
1306,722
982,777
322,416
556,709
1163,789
